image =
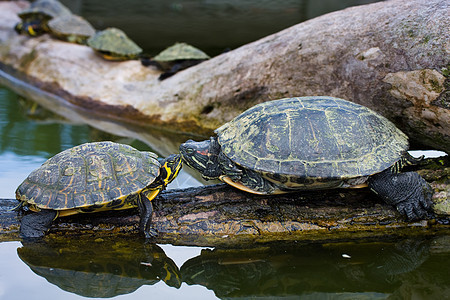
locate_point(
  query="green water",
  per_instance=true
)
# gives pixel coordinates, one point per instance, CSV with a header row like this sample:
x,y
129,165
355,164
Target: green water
x,y
415,268
121,268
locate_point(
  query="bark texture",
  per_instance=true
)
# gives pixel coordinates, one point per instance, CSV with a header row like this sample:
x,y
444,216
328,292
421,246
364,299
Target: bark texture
x,y
391,56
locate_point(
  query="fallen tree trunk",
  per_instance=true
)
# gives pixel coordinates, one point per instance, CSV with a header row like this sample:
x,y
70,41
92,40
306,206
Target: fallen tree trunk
x,y
391,56
221,215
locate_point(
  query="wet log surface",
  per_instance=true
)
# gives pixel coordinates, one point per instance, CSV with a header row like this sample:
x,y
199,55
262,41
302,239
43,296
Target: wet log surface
x,y
221,215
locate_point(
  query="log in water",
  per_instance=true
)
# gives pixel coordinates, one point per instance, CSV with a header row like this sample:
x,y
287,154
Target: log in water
x,y
222,215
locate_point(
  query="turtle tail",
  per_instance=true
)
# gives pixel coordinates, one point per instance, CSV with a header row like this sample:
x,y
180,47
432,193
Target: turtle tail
x,y
405,160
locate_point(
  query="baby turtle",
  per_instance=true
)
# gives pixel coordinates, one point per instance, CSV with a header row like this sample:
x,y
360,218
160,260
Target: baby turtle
x,y
114,44
71,28
94,177
312,143
35,18
178,57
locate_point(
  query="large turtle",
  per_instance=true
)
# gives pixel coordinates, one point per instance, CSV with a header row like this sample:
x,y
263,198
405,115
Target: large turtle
x,y
35,18
114,44
177,57
94,177
312,143
71,28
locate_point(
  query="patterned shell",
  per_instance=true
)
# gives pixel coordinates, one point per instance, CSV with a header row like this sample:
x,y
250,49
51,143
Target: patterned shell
x,y
312,137
180,51
87,175
114,40
45,9
71,25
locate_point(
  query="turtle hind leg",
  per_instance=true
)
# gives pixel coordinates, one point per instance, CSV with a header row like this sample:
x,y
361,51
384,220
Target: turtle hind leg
x,y
408,192
35,224
165,75
146,210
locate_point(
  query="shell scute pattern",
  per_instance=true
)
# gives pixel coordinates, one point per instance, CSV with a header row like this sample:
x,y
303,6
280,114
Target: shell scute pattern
x,y
99,197
90,175
71,25
80,200
312,137
99,167
345,128
44,175
113,40
45,9
180,51
72,175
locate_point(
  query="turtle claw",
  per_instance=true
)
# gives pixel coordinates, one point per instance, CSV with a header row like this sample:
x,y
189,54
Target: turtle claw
x,y
420,205
408,192
151,233
412,212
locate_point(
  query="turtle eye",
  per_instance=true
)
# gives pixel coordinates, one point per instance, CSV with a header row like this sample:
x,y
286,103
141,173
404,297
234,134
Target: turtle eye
x,y
190,150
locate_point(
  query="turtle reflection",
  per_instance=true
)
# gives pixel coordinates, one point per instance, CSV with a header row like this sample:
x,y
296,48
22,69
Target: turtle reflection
x,y
355,270
34,111
100,268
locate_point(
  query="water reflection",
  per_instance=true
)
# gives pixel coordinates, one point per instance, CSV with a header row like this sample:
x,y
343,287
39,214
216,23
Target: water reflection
x,y
35,112
378,269
321,271
29,134
23,136
99,268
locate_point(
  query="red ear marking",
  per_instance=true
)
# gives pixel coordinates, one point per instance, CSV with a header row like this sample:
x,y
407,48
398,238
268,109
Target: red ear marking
x,y
203,152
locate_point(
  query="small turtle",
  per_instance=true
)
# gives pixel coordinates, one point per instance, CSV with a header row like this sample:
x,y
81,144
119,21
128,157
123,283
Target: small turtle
x,y
71,28
35,18
94,177
30,27
178,57
312,143
34,111
114,44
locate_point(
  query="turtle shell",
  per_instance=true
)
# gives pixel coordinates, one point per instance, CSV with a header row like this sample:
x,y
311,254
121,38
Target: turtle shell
x,y
44,9
327,138
181,51
89,175
71,27
115,41
99,270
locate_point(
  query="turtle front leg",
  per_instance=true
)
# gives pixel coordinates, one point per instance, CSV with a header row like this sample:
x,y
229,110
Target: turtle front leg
x,y
36,224
408,192
245,180
228,167
146,210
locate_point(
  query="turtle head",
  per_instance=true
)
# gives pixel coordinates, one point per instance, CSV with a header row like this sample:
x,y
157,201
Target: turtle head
x,y
31,27
170,167
203,157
